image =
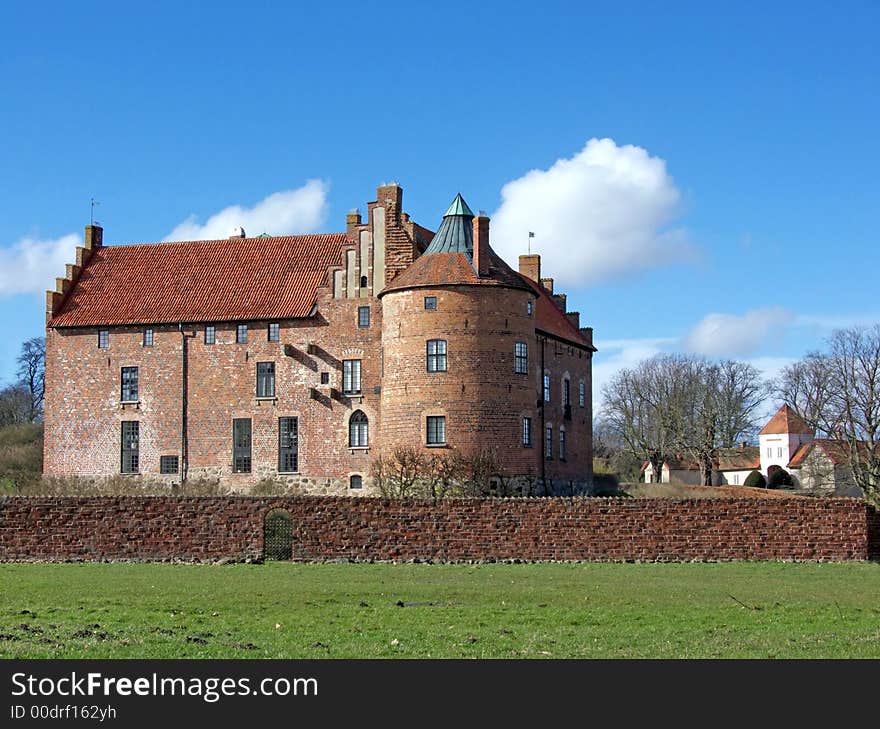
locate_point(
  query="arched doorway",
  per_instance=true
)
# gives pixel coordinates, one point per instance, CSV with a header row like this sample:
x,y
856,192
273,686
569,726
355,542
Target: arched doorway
x,y
278,535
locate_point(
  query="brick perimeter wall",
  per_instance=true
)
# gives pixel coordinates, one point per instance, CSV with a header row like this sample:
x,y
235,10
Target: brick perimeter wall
x,y
454,530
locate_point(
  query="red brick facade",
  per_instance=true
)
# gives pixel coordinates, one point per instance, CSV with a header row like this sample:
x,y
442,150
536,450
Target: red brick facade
x,y
451,530
190,391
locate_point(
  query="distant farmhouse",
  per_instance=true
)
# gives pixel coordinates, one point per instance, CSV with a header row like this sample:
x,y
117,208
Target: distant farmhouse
x,y
816,465
301,358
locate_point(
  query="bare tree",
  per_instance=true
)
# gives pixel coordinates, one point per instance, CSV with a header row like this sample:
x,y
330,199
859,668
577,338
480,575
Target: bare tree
x,y
15,405
32,375
634,409
808,387
838,392
676,403
855,372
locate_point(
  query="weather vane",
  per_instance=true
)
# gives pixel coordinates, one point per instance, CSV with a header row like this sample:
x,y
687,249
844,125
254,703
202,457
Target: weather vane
x,y
92,220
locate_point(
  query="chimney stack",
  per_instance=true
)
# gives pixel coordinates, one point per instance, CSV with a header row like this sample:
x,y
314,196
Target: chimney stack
x,y
94,237
530,266
352,220
390,197
547,283
574,317
481,245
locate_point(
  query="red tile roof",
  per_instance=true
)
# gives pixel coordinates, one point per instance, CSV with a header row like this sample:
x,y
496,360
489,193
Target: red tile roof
x,y
218,280
836,450
455,268
550,319
786,420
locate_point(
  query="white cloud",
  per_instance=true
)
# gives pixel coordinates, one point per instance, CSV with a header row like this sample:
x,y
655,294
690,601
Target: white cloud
x,y
31,265
302,210
600,214
722,335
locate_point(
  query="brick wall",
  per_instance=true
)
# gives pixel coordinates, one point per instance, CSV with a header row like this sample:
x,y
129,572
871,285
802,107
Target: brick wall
x,y
455,530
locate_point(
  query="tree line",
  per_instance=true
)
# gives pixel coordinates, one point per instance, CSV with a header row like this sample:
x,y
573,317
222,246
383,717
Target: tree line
x,y
680,404
22,400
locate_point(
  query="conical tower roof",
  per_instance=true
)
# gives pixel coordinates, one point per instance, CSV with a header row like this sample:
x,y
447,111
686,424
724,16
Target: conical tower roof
x,y
456,232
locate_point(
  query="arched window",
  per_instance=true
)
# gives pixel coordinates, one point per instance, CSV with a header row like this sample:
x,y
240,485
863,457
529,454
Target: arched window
x,y
355,482
363,282
358,430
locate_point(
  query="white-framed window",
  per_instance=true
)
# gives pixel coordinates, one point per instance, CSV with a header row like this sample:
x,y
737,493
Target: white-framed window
x,y
521,358
436,430
436,350
358,430
351,376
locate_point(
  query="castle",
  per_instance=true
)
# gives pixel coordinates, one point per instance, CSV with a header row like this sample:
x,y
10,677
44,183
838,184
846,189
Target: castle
x,y
301,358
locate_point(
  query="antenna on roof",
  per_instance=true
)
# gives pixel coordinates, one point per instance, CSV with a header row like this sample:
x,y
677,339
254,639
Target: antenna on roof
x,y
529,244
92,220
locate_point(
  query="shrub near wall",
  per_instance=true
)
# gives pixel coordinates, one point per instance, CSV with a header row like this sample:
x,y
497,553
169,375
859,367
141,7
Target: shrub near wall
x,y
453,530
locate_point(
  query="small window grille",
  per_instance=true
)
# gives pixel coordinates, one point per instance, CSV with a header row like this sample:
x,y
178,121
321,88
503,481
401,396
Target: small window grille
x,y
265,379
210,334
169,464
363,316
274,332
148,337
241,334
129,384
436,355
430,303
103,339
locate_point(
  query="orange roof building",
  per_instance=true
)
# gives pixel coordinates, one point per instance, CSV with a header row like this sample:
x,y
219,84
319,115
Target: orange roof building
x,y
302,358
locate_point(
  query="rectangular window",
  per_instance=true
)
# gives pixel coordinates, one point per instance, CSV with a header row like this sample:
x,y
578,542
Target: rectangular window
x,y
129,384
548,442
241,445
363,316
779,452
351,376
521,358
436,430
265,379
528,308
736,479
436,355
430,303
210,334
274,332
148,337
130,446
546,388
288,445
566,393
241,334
562,453
582,394
527,432
770,453
103,339
169,464
356,482
325,378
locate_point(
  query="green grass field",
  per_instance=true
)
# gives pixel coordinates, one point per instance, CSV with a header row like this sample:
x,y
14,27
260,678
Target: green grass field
x,y
482,611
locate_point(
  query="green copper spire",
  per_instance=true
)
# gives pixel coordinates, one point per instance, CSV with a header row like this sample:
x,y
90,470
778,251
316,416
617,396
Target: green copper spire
x,y
459,207
456,233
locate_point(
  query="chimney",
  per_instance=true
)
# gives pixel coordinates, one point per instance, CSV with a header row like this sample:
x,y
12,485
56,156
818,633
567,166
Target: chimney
x,y
352,220
530,266
587,333
574,317
94,236
547,283
390,197
481,245
560,300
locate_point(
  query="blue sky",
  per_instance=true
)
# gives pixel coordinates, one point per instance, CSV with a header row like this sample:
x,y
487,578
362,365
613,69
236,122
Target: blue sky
x,y
731,209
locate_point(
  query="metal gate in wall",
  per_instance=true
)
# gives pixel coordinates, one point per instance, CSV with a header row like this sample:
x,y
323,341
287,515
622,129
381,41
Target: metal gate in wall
x,y
278,535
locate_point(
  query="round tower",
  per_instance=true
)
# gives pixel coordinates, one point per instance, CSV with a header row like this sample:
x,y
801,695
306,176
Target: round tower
x,y
460,363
